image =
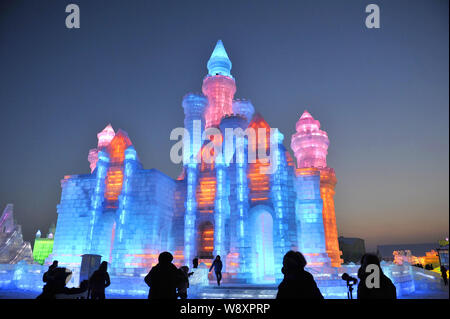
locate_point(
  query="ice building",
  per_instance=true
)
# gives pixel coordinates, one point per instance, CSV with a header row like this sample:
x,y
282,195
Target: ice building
x,y
12,247
250,203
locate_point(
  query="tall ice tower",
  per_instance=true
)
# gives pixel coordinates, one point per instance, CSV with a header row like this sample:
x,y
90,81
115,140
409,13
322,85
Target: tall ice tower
x,y
310,146
218,86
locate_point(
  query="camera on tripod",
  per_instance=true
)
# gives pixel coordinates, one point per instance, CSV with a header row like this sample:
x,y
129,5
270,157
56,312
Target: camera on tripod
x,y
350,282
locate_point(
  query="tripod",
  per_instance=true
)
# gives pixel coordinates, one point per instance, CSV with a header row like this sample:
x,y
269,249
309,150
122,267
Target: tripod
x,y
350,289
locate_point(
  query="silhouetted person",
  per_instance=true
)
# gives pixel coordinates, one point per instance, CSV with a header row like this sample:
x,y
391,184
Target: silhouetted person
x,y
48,273
182,289
444,275
164,278
386,290
217,265
195,263
99,281
297,282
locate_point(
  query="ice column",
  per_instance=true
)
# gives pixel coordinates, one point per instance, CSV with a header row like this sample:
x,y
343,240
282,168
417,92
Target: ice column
x,y
238,155
221,207
194,106
97,200
279,196
125,206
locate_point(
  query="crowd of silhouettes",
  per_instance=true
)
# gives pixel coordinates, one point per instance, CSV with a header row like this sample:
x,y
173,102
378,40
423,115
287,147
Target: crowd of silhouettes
x,y
166,281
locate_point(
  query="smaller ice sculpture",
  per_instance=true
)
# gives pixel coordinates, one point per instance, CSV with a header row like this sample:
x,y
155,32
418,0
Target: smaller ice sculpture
x,y
199,277
12,247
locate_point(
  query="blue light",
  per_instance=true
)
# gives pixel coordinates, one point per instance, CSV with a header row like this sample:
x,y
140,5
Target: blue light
x,y
219,63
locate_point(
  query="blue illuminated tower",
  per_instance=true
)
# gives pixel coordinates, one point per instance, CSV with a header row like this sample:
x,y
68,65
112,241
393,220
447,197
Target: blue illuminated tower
x,y
194,122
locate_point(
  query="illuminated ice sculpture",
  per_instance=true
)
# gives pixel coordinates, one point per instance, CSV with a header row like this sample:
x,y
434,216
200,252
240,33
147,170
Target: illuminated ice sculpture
x,y
128,214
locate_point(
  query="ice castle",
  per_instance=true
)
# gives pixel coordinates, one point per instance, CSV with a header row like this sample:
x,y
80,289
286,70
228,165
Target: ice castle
x,y
219,205
249,203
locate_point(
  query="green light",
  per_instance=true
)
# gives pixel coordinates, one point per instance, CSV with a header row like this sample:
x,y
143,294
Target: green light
x,y
42,248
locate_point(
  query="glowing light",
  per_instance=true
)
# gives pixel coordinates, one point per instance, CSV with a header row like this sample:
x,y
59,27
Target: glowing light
x,y
218,86
219,63
259,183
310,144
327,183
114,177
43,247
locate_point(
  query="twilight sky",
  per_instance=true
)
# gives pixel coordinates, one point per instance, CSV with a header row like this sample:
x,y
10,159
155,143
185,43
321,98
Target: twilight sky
x,y
381,94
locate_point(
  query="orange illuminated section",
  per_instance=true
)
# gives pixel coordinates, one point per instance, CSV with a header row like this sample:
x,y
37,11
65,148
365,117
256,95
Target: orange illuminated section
x,y
206,240
259,183
114,176
289,160
206,188
327,183
114,181
206,194
232,262
208,154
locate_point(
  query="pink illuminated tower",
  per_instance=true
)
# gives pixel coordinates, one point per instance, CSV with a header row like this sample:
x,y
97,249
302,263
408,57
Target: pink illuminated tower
x,y
218,86
104,138
310,146
310,143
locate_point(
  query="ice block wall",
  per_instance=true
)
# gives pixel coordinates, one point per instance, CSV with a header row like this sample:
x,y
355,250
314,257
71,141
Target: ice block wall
x,y
310,230
144,219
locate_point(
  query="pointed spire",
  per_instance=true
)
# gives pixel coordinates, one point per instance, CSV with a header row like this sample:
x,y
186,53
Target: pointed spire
x,y
219,63
307,122
219,51
306,115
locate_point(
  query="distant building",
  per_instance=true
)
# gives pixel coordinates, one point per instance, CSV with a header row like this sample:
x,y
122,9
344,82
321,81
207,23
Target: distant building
x,y
352,249
12,247
43,246
425,253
